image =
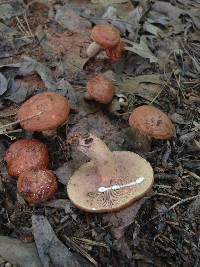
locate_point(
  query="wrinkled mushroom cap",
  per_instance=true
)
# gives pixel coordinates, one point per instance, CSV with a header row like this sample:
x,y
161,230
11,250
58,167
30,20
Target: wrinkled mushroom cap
x,y
105,35
152,122
37,185
54,107
25,154
100,89
83,185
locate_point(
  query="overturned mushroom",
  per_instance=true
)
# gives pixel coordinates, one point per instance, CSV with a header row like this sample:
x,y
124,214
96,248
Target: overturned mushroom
x,y
107,37
26,154
149,122
36,185
44,111
111,180
100,89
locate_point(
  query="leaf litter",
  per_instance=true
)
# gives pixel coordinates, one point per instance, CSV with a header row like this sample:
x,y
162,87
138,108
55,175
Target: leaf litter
x,y
43,47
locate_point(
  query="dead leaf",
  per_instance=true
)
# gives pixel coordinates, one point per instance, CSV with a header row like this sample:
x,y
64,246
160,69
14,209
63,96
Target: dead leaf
x,y
19,253
30,66
69,19
10,9
146,86
50,249
122,219
3,84
168,9
141,49
64,204
148,27
69,47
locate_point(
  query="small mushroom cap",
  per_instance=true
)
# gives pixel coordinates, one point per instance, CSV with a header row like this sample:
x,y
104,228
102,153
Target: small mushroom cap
x,y
105,35
54,107
152,122
37,185
100,89
26,154
84,184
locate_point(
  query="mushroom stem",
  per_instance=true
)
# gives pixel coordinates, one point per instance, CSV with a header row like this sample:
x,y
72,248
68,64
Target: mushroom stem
x,y
101,155
140,142
93,49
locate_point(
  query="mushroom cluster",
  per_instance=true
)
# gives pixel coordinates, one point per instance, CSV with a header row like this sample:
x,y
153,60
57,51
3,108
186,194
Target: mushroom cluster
x,y
28,160
111,180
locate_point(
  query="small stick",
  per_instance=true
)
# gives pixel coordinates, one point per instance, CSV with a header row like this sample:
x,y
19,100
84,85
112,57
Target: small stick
x,y
21,25
174,206
194,175
27,23
20,120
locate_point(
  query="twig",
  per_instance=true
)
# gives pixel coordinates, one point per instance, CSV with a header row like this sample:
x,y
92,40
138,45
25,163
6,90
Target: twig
x,y
23,29
27,23
182,201
20,120
194,175
167,195
80,250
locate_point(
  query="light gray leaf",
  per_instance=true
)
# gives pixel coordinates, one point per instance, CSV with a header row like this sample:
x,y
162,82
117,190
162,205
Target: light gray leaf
x,y
51,250
18,252
142,50
8,10
29,66
70,20
3,84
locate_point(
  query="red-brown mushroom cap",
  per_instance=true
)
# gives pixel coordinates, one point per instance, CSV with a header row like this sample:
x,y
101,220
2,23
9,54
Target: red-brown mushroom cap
x,y
37,185
130,180
25,154
152,122
100,89
54,110
106,35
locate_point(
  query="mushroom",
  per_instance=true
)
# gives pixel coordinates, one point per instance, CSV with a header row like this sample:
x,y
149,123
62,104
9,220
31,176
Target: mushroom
x,y
25,154
150,122
107,37
100,89
111,180
44,111
36,185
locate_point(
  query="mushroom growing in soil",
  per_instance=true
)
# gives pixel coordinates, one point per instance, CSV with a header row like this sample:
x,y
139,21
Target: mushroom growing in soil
x,y
150,122
36,185
25,154
44,111
100,89
107,37
111,180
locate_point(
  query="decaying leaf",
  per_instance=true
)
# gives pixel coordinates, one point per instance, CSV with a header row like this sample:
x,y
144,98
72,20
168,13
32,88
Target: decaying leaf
x,y
3,84
30,66
141,49
51,250
69,19
11,8
69,47
64,204
19,253
122,219
146,86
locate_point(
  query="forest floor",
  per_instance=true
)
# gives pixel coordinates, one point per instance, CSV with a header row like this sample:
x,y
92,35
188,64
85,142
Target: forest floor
x,y
43,47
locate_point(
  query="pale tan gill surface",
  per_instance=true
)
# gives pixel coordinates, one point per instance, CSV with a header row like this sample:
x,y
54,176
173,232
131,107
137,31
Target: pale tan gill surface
x,y
83,185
